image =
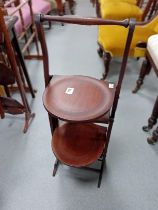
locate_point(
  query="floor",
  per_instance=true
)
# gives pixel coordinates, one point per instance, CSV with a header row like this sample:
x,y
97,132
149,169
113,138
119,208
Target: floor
x,y
26,160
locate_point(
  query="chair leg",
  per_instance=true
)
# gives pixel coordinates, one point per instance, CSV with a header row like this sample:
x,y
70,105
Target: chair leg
x,y
2,115
22,63
60,7
100,52
56,164
153,119
145,69
153,139
107,59
49,24
98,9
71,6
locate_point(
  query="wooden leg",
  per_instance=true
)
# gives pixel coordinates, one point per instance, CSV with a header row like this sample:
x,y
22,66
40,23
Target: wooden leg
x,y
153,139
71,6
145,69
107,59
54,123
1,111
28,118
55,167
101,171
98,8
50,24
100,52
23,65
60,7
154,116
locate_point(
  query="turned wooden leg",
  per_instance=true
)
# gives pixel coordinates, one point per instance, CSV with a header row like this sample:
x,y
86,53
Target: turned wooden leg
x,y
100,52
1,111
153,139
49,24
98,8
107,59
71,6
60,7
145,69
153,119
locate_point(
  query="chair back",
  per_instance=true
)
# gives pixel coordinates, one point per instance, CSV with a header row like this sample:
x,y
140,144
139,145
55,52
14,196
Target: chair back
x,y
150,25
149,8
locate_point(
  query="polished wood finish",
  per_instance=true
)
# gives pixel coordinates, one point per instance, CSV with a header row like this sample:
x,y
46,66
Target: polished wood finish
x,y
87,99
151,122
78,143
13,67
154,137
61,6
6,75
146,67
28,34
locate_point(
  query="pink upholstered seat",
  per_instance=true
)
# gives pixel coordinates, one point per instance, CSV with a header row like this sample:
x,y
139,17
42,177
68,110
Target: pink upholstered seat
x,y
26,16
38,6
41,6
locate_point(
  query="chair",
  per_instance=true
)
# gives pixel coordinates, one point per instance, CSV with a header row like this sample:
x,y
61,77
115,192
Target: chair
x,y
24,27
151,60
12,69
80,102
100,3
151,122
119,10
111,41
61,5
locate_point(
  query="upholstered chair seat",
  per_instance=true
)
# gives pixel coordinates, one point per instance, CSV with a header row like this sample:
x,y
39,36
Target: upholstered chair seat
x,y
41,6
111,40
128,1
124,10
116,37
152,47
38,6
26,17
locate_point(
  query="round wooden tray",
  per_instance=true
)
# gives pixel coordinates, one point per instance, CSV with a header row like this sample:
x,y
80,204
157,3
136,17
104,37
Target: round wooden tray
x,y
78,144
77,98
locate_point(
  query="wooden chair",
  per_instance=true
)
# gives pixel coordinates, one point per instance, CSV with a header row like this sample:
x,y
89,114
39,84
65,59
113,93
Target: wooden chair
x,y
119,10
24,27
111,41
80,102
12,67
61,5
151,122
151,61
